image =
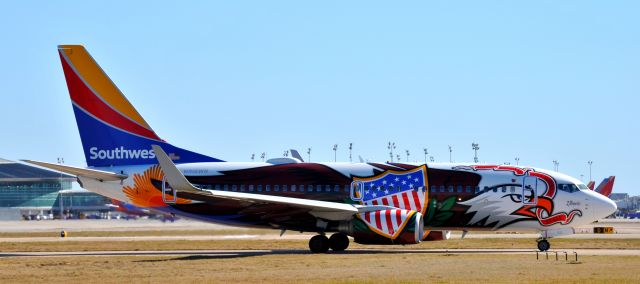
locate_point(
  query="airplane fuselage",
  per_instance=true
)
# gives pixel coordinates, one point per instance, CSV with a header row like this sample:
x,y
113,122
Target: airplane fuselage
x,y
454,196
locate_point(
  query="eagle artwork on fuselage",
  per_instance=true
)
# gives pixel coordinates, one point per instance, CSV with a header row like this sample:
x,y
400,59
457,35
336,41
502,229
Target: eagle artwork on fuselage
x,y
374,203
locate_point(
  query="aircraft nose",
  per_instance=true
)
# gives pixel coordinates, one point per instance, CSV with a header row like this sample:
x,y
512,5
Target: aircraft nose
x,y
604,207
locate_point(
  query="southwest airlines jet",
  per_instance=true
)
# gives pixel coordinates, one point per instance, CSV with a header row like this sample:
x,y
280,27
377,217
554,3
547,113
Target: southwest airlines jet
x,y
374,203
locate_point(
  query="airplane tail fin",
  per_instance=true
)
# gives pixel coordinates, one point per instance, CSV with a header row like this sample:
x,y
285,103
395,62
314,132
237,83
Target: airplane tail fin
x,y
591,184
606,186
112,131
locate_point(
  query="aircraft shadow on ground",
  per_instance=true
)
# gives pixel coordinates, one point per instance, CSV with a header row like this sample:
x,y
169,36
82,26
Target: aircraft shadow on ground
x,y
241,254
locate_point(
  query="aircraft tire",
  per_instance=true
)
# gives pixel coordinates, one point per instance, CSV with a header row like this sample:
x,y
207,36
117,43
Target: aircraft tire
x,y
319,244
339,242
543,245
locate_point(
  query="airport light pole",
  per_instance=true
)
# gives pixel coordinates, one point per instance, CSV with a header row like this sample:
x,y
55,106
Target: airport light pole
x,y
253,156
517,161
407,151
475,148
309,154
450,154
60,160
426,152
335,152
590,163
286,153
391,146
263,156
398,157
581,177
555,165
432,159
350,148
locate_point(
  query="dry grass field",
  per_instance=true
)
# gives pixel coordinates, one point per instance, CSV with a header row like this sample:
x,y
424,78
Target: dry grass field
x,y
324,268
290,260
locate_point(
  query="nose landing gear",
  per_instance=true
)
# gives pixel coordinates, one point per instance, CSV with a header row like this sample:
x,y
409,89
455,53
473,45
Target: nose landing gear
x,y
543,245
321,244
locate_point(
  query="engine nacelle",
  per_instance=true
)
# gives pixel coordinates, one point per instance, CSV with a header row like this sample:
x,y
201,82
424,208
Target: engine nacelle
x,y
406,227
437,236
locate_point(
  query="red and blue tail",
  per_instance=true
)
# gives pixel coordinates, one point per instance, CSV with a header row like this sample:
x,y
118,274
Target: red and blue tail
x,y
113,133
606,186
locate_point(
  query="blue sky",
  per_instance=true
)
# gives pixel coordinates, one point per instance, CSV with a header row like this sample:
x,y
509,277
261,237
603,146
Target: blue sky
x,y
541,80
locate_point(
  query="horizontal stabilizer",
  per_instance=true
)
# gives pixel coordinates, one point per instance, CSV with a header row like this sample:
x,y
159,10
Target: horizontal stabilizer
x,y
99,175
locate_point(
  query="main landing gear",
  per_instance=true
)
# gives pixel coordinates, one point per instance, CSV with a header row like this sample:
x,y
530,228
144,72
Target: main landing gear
x,y
321,244
543,245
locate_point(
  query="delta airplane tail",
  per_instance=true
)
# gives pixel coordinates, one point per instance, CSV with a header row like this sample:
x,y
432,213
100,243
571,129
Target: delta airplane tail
x,y
112,131
606,186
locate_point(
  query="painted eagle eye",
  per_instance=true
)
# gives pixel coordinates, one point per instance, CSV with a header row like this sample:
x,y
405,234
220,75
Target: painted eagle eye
x,y
515,197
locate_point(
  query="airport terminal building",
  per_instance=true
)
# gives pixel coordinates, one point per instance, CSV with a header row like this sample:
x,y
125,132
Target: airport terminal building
x,y
29,192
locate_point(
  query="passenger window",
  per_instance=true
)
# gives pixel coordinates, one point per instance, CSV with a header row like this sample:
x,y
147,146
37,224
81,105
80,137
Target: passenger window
x,y
486,188
504,189
293,187
512,189
459,188
284,188
217,187
310,188
433,188
477,189
327,188
302,187
319,188
260,188
467,189
276,187
226,187
495,189
336,188
267,187
251,187
442,188
234,188
451,188
242,187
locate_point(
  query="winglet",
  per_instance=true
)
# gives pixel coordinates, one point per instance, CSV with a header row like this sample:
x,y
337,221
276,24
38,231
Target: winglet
x,y
174,177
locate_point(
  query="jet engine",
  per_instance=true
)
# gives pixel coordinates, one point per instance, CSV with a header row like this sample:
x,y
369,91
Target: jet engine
x,y
385,227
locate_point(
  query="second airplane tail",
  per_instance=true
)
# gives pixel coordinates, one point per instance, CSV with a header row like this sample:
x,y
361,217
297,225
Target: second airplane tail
x,y
112,131
606,186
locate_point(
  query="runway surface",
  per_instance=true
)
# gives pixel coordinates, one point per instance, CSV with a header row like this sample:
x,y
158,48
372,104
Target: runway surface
x,y
247,253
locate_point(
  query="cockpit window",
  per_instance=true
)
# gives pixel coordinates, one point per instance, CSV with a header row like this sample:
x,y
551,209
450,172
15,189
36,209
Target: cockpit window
x,y
568,187
582,186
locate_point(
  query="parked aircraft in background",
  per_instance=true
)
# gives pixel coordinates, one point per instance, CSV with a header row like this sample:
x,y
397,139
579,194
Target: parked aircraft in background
x,y
375,203
606,186
132,210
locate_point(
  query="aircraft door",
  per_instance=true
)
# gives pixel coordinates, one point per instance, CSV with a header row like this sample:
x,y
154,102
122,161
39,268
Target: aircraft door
x,y
169,195
530,190
357,188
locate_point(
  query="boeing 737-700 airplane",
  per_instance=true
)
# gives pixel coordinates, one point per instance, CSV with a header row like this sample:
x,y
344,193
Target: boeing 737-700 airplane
x,y
374,203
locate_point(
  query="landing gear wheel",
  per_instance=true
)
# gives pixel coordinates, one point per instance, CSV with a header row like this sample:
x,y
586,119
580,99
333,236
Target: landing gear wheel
x,y
339,242
543,245
319,244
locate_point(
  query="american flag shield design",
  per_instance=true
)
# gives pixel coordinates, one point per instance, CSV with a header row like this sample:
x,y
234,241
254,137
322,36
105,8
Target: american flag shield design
x,y
404,190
